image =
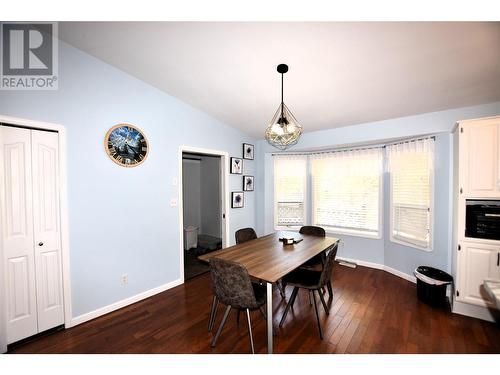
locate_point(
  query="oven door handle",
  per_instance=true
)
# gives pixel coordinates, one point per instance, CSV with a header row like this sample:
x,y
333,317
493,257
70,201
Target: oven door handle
x,y
492,215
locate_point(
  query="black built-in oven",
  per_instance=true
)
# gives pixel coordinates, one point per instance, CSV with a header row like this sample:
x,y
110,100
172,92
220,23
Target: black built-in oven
x,y
482,219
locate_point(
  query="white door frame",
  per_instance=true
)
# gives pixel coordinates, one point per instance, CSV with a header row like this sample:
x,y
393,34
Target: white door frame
x,y
224,185
63,204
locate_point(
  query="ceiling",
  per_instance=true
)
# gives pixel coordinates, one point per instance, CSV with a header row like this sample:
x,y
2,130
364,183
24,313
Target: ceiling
x,y
340,73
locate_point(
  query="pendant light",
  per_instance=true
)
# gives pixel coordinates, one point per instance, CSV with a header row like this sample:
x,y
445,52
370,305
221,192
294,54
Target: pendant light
x,y
284,130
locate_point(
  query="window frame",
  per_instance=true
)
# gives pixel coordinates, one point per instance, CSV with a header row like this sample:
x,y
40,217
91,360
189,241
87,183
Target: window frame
x,y
360,232
400,241
309,203
305,201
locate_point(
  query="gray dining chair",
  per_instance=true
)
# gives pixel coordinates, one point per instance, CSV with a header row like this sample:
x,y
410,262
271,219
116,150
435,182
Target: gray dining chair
x,y
233,287
312,281
318,260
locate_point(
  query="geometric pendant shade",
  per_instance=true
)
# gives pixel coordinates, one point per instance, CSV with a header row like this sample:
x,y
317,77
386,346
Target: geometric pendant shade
x,y
284,130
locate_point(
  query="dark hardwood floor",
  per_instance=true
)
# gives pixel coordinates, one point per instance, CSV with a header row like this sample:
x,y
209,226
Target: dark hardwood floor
x,y
372,312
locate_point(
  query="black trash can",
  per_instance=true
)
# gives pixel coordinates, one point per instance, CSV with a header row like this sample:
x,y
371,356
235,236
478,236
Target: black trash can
x,y
431,285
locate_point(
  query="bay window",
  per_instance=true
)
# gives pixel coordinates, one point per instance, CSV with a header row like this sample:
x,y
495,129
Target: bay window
x,y
342,191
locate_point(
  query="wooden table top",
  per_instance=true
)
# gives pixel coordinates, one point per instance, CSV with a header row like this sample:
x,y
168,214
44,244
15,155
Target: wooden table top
x,y
266,258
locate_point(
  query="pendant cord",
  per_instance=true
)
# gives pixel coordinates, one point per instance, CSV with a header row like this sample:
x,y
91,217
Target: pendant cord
x,y
282,96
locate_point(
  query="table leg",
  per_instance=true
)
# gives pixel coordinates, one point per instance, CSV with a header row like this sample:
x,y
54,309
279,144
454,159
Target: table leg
x,y
269,318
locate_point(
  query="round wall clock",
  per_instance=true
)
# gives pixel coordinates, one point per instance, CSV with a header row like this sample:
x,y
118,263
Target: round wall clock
x,y
126,145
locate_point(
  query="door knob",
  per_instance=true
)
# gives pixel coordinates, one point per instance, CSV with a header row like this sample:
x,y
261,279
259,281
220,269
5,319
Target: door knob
x,y
40,243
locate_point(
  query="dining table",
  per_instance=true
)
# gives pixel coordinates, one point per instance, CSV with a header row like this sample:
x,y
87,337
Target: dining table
x,y
269,259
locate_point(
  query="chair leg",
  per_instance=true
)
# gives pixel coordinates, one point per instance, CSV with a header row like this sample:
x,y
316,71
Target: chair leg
x,y
250,330
322,298
330,289
219,331
263,312
281,289
310,298
290,303
317,318
238,317
213,313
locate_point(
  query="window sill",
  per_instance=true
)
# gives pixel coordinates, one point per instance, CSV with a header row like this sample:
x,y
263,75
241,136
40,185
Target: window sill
x,y
335,231
294,228
409,244
353,233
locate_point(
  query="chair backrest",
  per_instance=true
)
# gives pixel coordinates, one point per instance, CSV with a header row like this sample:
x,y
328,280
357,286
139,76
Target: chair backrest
x,y
326,273
232,284
312,230
244,235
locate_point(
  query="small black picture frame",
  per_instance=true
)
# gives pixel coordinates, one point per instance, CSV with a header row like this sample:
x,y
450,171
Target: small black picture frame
x,y
248,183
236,165
248,151
237,199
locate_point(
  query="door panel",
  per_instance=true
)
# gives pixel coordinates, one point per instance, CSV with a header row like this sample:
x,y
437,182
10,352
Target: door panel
x,y
482,156
47,239
480,264
20,307
17,236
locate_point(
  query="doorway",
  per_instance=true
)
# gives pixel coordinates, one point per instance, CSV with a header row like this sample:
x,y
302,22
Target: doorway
x,y
202,207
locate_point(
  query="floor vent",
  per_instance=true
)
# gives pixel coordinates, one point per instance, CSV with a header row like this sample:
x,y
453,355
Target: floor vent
x,y
346,263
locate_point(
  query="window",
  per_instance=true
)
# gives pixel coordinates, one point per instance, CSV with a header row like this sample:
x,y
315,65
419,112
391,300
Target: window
x,y
346,192
410,165
290,190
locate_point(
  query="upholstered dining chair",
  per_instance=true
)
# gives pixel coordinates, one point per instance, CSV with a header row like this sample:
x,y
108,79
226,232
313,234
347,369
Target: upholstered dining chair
x,y
233,287
318,260
248,234
241,236
313,282
244,235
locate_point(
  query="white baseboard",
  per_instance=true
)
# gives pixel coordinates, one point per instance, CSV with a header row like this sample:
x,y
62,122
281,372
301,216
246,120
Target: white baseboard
x,y
382,267
120,304
474,311
362,263
403,275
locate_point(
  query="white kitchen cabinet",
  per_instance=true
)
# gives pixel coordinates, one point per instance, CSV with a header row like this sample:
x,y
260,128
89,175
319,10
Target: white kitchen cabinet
x,y
477,262
480,158
476,166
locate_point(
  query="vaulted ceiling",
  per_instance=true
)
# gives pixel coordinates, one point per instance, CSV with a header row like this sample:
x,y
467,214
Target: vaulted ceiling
x,y
340,73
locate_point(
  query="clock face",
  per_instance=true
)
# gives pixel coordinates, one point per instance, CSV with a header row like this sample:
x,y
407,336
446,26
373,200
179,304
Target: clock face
x,y
126,145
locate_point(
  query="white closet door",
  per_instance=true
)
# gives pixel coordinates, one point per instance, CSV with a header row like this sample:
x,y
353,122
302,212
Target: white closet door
x,y
47,239
17,236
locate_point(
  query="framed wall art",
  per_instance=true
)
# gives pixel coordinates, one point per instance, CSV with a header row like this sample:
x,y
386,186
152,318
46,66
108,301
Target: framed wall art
x,y
236,166
248,183
237,199
248,151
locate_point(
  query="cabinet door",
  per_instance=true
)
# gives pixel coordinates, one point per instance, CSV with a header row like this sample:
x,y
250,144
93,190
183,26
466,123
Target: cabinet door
x,y
17,233
478,262
47,236
482,159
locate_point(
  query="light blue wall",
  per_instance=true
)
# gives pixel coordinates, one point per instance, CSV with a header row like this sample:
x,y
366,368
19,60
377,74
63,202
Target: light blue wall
x,y
383,251
120,220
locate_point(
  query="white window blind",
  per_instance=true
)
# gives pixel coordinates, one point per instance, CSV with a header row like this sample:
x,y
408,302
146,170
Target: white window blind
x,y
346,190
411,166
290,189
